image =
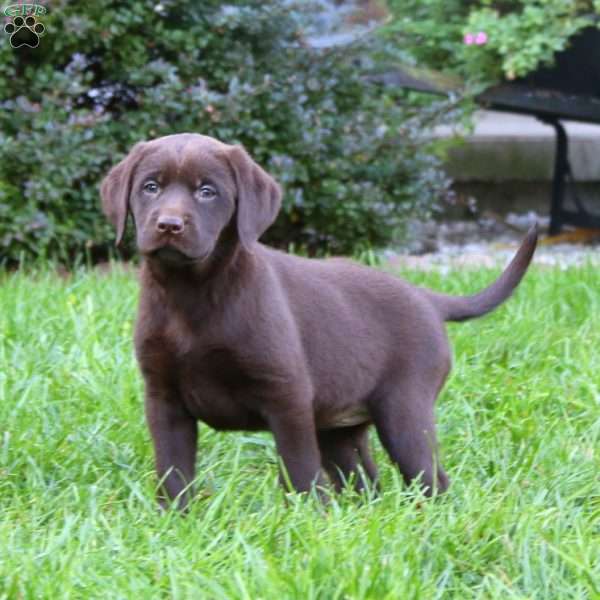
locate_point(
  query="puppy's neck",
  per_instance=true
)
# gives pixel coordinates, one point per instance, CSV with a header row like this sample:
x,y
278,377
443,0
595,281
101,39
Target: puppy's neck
x,y
212,279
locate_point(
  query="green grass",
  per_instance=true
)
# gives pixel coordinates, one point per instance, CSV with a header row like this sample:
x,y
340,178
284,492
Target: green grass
x,y
519,424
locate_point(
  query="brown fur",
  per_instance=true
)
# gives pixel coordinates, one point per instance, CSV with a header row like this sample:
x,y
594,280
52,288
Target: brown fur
x,y
241,336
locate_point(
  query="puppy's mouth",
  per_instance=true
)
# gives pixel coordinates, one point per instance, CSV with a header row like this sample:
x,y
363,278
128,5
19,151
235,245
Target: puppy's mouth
x,y
171,255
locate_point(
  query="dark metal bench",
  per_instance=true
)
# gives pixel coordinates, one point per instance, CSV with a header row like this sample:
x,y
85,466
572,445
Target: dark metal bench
x,y
569,90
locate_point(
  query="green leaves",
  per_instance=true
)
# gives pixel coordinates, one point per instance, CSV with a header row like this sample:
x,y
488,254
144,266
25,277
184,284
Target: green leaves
x,y
108,75
520,35
523,39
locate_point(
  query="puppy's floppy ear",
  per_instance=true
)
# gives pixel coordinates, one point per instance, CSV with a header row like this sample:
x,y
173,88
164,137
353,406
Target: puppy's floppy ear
x,y
258,196
116,188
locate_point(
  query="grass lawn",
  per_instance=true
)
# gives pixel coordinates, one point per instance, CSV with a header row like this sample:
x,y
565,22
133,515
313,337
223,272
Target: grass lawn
x,y
519,425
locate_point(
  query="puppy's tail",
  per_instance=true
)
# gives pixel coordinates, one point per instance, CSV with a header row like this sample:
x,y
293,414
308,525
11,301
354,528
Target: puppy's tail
x,y
461,308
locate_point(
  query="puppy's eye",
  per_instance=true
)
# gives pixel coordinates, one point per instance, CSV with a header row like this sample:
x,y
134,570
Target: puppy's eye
x,y
206,192
151,187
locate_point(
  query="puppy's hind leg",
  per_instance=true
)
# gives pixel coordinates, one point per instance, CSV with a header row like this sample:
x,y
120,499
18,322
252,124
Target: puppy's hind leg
x,y
405,424
342,451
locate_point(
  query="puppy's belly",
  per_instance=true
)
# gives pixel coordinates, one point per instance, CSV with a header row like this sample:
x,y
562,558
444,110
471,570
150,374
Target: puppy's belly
x,y
346,417
219,409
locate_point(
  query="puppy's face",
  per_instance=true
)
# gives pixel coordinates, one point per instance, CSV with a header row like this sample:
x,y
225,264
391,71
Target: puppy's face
x,y
182,196
183,190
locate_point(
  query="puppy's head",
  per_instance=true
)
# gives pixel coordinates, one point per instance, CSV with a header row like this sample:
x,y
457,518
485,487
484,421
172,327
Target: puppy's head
x,y
183,191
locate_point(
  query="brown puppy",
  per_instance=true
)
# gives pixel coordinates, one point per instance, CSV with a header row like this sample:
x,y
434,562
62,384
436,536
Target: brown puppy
x,y
241,336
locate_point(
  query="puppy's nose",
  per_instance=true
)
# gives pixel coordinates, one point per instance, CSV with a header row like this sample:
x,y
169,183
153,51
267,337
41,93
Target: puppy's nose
x,y
169,224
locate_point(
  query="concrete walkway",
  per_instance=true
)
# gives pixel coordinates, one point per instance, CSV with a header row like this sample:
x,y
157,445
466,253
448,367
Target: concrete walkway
x,y
505,146
518,152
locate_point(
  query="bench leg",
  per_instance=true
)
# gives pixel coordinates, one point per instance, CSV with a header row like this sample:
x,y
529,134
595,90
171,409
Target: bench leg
x,y
561,168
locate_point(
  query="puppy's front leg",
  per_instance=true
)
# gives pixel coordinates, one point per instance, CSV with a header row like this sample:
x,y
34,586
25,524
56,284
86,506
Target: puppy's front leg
x,y
296,441
174,434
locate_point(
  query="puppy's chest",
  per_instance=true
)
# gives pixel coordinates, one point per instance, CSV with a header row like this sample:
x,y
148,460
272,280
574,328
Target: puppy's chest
x,y
211,378
218,388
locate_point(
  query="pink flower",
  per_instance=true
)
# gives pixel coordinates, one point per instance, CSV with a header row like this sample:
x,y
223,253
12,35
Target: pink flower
x,y
469,39
481,38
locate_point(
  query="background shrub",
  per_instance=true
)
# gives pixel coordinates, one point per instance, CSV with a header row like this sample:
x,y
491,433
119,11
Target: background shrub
x,y
520,35
351,158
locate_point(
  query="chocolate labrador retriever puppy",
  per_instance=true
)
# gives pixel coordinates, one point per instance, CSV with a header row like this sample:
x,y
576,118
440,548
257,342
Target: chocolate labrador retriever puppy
x,y
242,336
